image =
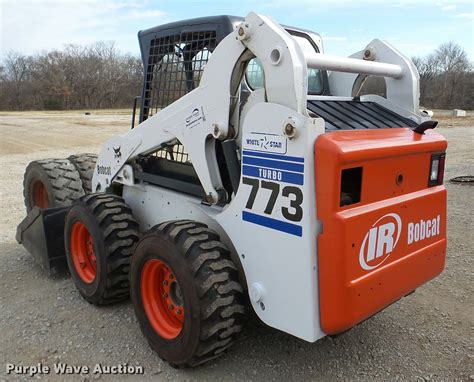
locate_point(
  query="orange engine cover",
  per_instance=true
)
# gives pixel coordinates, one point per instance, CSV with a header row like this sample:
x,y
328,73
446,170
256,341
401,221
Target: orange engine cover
x,y
377,250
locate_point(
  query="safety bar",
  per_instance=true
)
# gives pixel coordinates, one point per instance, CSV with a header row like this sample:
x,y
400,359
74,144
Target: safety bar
x,y
352,65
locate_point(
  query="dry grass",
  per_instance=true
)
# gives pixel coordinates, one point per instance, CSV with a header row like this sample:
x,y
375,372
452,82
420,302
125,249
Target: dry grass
x,y
33,131
446,119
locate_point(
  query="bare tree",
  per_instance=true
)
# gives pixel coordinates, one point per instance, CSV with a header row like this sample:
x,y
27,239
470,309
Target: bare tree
x,y
15,70
453,63
92,76
427,69
445,77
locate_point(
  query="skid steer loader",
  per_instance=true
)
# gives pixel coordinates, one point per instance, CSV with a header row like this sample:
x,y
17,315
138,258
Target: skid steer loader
x,y
263,173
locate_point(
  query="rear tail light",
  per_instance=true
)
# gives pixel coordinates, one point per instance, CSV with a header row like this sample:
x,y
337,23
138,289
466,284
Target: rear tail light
x,y
436,169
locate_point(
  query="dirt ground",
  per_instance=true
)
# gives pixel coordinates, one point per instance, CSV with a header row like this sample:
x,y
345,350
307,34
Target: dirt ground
x,y
425,336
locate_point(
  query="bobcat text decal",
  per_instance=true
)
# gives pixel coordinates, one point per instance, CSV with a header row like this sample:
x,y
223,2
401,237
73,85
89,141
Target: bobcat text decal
x,y
423,229
104,170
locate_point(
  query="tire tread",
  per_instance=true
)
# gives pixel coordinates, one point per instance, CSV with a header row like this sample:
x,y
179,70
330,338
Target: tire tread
x,y
120,233
220,293
64,178
85,165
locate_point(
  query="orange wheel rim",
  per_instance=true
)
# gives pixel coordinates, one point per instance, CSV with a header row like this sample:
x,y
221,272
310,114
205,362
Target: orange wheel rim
x,y
162,299
39,195
82,252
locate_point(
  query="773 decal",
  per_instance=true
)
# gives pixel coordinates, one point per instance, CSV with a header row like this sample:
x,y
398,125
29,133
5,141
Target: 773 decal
x,y
293,211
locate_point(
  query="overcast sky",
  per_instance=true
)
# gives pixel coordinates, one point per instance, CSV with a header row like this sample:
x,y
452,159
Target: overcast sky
x,y
414,27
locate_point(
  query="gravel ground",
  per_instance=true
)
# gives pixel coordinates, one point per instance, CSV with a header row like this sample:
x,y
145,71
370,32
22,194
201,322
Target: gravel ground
x,y
425,336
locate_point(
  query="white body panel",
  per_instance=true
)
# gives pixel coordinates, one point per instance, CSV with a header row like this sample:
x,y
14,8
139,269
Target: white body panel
x,y
282,265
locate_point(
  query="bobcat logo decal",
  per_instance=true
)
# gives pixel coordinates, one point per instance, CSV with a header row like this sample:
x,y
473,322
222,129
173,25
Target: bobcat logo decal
x,y
117,152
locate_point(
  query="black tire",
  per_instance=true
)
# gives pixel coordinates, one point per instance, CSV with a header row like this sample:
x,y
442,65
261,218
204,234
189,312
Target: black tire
x,y
114,232
58,179
212,296
85,165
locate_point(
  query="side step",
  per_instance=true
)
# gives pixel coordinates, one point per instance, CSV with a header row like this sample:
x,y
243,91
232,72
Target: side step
x,y
42,234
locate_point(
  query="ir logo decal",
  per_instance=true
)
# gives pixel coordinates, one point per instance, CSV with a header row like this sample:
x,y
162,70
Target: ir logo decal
x,y
380,241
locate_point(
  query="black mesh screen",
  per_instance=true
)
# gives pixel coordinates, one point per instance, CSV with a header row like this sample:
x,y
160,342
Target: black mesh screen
x,y
173,153
175,67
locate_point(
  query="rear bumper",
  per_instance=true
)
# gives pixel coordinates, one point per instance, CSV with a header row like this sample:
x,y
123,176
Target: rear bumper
x,y
350,294
373,252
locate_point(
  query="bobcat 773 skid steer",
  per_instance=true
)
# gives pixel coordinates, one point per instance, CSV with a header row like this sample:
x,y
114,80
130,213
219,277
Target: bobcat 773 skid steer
x,y
262,173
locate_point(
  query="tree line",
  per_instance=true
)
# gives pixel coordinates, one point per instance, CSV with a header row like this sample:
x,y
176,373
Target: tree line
x,y
78,77
446,78
99,76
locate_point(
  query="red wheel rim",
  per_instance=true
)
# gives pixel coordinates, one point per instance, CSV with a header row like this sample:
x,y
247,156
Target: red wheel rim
x,y
162,299
82,252
39,195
